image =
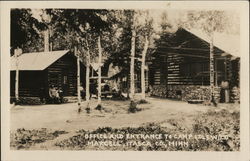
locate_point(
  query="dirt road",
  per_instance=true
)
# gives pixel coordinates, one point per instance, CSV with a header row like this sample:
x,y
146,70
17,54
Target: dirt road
x,y
65,116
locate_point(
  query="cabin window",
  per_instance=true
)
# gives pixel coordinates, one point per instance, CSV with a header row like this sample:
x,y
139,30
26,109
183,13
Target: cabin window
x,y
193,69
65,79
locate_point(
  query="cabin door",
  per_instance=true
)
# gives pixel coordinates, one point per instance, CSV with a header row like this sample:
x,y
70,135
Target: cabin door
x,y
54,79
65,83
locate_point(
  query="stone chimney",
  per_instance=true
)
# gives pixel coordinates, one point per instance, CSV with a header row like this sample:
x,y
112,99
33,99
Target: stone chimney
x,y
46,41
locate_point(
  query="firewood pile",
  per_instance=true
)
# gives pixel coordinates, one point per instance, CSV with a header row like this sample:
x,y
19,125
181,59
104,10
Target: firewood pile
x,y
235,95
186,92
195,93
189,92
159,91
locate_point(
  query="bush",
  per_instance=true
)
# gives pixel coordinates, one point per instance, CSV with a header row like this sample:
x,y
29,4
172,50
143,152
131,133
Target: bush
x,y
99,107
28,101
31,101
220,123
133,107
142,101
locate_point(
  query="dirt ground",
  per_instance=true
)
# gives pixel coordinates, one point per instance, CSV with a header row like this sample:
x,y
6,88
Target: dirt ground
x,y
65,117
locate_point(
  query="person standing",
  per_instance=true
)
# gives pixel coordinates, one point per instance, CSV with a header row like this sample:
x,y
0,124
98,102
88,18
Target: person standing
x,y
82,91
225,88
60,93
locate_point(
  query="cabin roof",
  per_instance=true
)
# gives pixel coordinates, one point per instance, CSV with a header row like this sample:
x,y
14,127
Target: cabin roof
x,y
36,60
195,43
229,43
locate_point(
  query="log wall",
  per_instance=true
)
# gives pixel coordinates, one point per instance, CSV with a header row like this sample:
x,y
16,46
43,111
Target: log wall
x,y
30,83
63,74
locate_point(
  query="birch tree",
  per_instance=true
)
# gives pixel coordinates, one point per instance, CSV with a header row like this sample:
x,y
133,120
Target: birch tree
x,y
99,106
209,22
144,52
132,107
132,63
18,52
78,28
78,77
87,76
147,31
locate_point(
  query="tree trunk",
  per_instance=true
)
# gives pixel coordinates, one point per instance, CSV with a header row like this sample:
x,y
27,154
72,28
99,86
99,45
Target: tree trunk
x,y
17,52
78,78
127,84
144,52
132,63
87,77
99,70
211,67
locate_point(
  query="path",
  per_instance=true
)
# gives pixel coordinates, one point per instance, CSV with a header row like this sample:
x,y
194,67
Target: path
x,y
65,116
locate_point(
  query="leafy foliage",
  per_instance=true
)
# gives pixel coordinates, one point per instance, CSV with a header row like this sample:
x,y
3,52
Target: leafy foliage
x,y
212,123
25,31
208,21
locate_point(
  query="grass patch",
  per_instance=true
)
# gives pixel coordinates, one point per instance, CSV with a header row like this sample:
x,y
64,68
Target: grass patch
x,y
212,123
23,139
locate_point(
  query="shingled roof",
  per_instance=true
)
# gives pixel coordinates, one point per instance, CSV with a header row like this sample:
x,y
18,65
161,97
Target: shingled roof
x,y
37,60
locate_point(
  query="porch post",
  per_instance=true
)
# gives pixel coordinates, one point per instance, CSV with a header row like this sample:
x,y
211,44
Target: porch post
x,y
216,72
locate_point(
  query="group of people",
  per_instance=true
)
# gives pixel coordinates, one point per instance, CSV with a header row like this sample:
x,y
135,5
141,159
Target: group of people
x,y
55,95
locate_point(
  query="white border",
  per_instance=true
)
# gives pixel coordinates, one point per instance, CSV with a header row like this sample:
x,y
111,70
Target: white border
x,y
243,155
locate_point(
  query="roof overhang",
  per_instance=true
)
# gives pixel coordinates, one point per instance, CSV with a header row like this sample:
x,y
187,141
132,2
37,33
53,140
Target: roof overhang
x,y
37,61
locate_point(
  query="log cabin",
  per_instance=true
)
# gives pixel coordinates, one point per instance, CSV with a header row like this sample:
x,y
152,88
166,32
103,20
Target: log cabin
x,y
39,70
180,68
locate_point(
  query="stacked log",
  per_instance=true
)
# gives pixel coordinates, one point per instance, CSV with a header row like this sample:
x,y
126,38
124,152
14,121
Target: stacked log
x,y
185,92
235,95
159,91
217,94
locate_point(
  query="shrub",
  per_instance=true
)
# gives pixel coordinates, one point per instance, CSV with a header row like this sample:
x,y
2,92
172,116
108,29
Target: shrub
x,y
142,101
133,107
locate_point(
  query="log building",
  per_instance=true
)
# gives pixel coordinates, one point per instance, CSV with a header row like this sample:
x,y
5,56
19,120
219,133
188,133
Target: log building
x,y
39,70
180,67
